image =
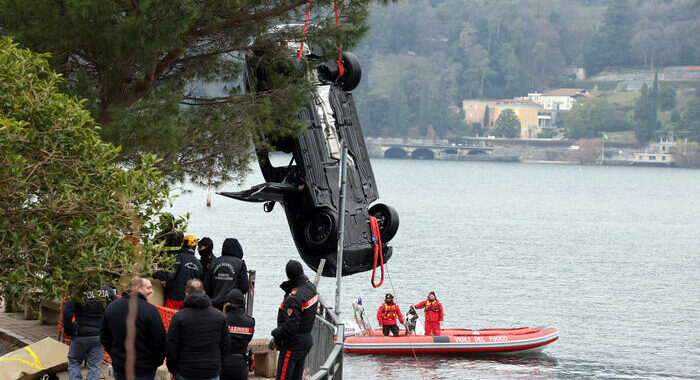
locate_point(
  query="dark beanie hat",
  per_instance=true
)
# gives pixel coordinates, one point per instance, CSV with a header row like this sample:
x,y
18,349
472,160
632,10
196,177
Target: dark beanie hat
x,y
206,242
208,245
236,297
294,269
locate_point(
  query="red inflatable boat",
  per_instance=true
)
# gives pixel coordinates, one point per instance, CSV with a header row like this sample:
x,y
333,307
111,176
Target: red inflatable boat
x,y
456,341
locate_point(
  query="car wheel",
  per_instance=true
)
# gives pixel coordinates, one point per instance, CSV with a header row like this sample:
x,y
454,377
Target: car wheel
x,y
320,229
353,72
387,219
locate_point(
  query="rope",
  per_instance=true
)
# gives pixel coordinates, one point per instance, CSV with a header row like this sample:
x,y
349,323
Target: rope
x,y
306,24
341,68
378,254
420,365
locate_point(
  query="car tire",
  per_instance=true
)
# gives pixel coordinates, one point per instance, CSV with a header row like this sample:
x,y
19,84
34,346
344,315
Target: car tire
x,y
320,229
353,72
388,220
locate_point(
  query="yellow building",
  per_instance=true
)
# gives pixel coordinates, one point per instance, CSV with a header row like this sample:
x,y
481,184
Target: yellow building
x,y
474,110
526,112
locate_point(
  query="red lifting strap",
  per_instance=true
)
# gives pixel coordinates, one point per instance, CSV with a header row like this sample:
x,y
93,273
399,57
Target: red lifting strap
x,y
341,68
306,24
377,241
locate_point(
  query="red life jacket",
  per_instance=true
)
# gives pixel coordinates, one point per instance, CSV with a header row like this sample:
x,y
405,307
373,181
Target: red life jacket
x,y
432,306
389,312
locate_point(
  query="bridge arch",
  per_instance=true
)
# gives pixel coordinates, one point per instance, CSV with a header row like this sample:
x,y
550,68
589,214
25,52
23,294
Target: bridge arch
x,y
423,154
450,151
395,153
476,152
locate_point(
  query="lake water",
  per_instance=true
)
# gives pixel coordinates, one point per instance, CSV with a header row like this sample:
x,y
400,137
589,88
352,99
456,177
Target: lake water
x,y
608,255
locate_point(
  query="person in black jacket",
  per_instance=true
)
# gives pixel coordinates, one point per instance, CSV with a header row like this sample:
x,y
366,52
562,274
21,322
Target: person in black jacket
x,y
295,319
186,267
82,318
150,332
241,328
206,254
198,338
227,272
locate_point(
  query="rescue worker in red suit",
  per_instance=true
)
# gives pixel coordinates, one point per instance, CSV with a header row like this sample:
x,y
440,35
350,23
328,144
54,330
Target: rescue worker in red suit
x,y
434,314
295,320
386,315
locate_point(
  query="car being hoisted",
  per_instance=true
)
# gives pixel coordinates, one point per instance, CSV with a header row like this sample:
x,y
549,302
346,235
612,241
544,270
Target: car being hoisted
x,y
308,187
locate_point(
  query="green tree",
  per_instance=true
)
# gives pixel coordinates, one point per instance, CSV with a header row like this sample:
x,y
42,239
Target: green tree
x,y
487,115
690,121
646,122
507,124
67,212
611,45
165,78
590,117
667,98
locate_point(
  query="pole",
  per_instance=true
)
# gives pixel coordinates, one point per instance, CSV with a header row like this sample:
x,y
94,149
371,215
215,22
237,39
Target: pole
x,y
341,226
602,150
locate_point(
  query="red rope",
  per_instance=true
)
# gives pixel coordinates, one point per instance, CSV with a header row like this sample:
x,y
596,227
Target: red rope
x,y
377,241
341,68
306,24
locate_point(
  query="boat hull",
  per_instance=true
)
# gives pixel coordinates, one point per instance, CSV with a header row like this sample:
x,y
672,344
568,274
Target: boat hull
x,y
456,341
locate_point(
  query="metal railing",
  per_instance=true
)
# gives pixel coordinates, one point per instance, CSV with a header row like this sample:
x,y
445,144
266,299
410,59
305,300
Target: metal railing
x,y
325,360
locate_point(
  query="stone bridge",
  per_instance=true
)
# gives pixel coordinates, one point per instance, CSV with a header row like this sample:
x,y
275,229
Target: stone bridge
x,y
428,151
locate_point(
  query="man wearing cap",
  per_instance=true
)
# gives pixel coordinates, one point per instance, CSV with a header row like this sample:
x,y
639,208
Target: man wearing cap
x,y
386,315
295,319
186,268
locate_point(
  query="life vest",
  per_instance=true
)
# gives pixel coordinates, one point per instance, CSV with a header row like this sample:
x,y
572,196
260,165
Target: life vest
x,y
432,306
389,312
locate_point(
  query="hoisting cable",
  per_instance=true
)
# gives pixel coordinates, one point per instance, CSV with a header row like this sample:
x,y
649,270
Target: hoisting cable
x,y
420,365
306,24
378,254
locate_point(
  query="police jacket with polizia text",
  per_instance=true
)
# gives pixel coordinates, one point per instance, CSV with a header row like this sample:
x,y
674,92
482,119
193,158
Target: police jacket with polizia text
x,y
88,311
296,315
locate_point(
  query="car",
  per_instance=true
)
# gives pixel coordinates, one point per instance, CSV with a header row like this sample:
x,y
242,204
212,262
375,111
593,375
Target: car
x,y
308,187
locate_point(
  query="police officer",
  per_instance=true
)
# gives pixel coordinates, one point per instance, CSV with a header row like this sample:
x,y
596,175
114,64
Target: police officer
x,y
295,319
82,318
241,328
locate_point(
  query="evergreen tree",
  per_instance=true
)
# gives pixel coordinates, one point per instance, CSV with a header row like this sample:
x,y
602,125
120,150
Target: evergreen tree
x,y
485,123
646,122
507,124
690,121
166,77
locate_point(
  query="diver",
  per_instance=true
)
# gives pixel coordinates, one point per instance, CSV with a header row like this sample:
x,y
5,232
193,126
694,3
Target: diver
x,y
186,268
434,314
386,315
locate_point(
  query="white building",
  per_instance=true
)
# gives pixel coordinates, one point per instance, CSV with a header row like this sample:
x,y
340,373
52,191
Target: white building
x,y
560,99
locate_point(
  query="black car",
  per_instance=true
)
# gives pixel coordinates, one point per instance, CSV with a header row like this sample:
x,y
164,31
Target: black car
x,y
308,187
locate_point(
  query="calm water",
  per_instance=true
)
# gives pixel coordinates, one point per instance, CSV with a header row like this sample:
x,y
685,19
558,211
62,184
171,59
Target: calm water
x,y
609,255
